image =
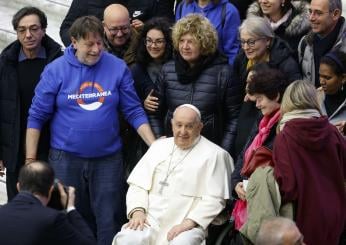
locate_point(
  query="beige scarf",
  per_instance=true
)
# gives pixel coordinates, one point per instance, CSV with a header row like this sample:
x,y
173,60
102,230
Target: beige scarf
x,y
288,116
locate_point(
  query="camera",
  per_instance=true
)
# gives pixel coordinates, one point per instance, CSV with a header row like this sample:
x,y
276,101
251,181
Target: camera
x,y
55,199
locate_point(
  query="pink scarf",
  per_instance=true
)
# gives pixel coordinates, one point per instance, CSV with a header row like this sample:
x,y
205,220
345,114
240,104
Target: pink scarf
x,y
265,125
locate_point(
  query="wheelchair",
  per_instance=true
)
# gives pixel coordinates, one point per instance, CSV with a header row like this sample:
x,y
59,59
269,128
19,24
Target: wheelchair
x,y
229,235
225,234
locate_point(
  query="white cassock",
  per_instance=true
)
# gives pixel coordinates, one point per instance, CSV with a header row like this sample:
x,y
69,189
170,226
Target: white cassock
x,y
173,184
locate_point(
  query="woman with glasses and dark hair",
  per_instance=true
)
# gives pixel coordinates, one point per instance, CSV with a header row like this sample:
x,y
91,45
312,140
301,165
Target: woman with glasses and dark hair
x,y
289,19
259,45
154,49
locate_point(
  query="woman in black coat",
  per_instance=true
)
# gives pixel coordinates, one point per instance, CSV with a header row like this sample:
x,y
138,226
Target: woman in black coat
x,y
259,45
198,75
154,49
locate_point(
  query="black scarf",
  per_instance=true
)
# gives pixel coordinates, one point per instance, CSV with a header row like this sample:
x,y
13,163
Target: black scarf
x,y
187,74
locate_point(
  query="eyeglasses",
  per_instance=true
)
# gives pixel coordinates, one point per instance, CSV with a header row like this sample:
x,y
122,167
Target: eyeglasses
x,y
33,29
115,30
317,13
158,42
250,42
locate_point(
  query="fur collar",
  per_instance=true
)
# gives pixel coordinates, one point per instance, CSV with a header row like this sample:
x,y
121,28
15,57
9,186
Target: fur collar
x,y
297,24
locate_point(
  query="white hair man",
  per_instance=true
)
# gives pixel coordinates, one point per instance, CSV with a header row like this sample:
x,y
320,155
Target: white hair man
x,y
178,187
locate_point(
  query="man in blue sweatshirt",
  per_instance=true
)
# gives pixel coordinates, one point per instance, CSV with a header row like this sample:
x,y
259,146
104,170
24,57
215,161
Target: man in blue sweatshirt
x,y
80,93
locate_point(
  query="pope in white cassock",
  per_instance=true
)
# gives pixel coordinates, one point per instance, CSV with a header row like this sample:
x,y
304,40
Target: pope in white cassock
x,y
178,187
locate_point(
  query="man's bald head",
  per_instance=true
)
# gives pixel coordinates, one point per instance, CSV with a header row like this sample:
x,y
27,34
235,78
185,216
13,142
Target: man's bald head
x,y
279,231
116,23
116,11
36,177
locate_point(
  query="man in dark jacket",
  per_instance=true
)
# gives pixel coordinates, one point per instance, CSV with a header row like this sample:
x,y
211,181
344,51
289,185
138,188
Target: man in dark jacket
x,y
26,219
141,10
121,37
81,8
21,64
328,33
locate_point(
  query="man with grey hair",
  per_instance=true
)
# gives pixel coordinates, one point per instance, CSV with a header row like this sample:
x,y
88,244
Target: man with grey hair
x,y
328,33
279,231
178,187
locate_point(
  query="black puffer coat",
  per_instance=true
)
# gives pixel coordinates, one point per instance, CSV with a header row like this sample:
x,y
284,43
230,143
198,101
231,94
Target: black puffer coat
x,y
10,138
213,93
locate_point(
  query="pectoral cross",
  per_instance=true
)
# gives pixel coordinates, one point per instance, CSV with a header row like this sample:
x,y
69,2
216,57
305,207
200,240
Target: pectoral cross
x,y
163,184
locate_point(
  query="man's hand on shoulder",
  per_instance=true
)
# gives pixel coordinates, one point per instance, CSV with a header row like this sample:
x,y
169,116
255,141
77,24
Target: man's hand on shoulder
x,y
137,221
186,225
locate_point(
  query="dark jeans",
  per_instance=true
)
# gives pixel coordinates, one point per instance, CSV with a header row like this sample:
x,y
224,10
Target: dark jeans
x,y
100,192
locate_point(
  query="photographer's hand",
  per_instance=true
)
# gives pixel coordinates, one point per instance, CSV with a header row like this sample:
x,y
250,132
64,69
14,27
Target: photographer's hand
x,y
2,168
63,195
71,197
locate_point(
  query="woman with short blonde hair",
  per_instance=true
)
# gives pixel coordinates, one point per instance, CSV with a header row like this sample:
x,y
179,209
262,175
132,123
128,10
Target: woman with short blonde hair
x,y
223,16
199,75
200,28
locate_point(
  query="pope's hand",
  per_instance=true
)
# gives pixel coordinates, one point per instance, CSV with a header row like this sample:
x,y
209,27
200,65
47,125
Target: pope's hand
x,y
139,218
239,189
186,225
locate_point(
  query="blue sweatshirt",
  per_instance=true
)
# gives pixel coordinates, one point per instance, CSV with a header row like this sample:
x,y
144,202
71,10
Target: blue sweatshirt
x,y
82,102
227,32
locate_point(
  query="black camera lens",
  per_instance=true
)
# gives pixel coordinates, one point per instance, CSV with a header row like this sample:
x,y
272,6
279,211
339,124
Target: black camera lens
x,y
55,200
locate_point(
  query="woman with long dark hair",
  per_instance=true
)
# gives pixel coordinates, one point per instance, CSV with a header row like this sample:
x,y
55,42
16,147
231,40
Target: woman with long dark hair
x,y
154,49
